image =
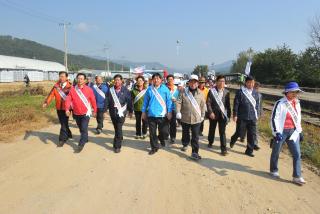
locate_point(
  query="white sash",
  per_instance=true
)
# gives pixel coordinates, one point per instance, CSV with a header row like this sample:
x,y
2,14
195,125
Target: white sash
x,y
193,101
294,116
84,100
219,101
160,100
251,99
138,97
117,103
100,92
61,93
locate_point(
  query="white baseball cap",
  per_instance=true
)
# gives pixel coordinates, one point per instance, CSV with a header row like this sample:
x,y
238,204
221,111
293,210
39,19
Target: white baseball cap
x,y
193,77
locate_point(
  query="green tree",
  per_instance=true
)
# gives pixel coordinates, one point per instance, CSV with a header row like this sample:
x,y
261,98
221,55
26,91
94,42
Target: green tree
x,y
308,67
275,66
240,64
201,70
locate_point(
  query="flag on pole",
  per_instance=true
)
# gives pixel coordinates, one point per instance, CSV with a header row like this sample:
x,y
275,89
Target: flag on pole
x,y
248,67
139,70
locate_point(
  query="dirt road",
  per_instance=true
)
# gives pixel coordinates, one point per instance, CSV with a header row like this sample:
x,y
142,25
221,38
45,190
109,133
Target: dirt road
x,y
38,177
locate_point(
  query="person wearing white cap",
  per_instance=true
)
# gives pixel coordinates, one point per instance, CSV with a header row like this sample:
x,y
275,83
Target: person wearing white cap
x,y
191,107
286,128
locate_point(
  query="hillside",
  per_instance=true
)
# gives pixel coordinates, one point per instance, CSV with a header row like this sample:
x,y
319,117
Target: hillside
x,y
11,46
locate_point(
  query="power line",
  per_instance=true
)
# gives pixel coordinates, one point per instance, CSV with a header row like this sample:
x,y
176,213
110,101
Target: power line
x,y
29,12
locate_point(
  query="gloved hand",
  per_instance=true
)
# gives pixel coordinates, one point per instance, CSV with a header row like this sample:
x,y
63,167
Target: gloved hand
x,y
301,137
278,137
202,118
178,116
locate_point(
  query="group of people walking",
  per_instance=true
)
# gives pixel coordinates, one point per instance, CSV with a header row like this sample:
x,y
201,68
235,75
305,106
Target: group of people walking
x,y
158,106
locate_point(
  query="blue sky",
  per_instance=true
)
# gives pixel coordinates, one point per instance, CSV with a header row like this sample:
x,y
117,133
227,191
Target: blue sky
x,y
210,31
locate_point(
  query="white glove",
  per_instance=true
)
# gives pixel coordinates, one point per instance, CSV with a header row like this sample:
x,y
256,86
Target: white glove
x,y
178,116
202,119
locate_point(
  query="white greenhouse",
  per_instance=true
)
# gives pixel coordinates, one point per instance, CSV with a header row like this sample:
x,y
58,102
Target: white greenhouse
x,y
15,68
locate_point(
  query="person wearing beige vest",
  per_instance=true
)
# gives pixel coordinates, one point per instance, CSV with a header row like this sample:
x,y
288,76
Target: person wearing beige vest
x,y
191,107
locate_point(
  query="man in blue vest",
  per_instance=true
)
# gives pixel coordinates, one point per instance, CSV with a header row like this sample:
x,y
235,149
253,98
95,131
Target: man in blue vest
x,y
157,109
100,90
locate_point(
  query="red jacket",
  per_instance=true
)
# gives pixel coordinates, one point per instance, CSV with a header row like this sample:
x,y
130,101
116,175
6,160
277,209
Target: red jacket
x,y
78,106
54,94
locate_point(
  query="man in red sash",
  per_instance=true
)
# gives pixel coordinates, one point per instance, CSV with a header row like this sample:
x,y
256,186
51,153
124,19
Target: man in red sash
x,y
59,92
83,102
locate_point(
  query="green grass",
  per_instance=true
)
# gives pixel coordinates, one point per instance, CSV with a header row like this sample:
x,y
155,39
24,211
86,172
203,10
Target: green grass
x,y
23,112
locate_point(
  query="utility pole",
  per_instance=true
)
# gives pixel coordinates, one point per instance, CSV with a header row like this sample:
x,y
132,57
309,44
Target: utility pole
x,y
106,50
65,25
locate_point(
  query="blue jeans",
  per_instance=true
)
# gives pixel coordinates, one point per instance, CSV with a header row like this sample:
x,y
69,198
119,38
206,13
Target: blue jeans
x,y
294,148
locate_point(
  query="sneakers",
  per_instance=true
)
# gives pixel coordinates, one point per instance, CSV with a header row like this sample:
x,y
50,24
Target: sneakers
x,y
184,148
195,156
299,181
275,174
136,137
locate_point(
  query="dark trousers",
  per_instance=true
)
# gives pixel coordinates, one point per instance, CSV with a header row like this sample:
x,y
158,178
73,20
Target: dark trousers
x,y
195,130
222,132
118,134
82,122
250,126
173,126
201,127
100,112
161,124
138,124
65,132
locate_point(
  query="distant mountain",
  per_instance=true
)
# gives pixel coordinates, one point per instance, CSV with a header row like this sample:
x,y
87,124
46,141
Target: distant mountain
x,y
11,46
223,68
149,65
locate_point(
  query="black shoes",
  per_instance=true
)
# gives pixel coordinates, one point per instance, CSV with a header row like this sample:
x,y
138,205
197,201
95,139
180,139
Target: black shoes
x,y
232,144
98,131
163,143
117,150
195,156
201,134
256,147
224,153
153,151
80,147
210,145
184,148
250,154
61,143
172,141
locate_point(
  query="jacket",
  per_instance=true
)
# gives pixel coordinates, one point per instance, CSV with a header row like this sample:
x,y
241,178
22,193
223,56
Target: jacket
x,y
99,99
54,94
189,114
278,116
124,97
213,107
138,105
174,94
78,106
242,107
151,104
